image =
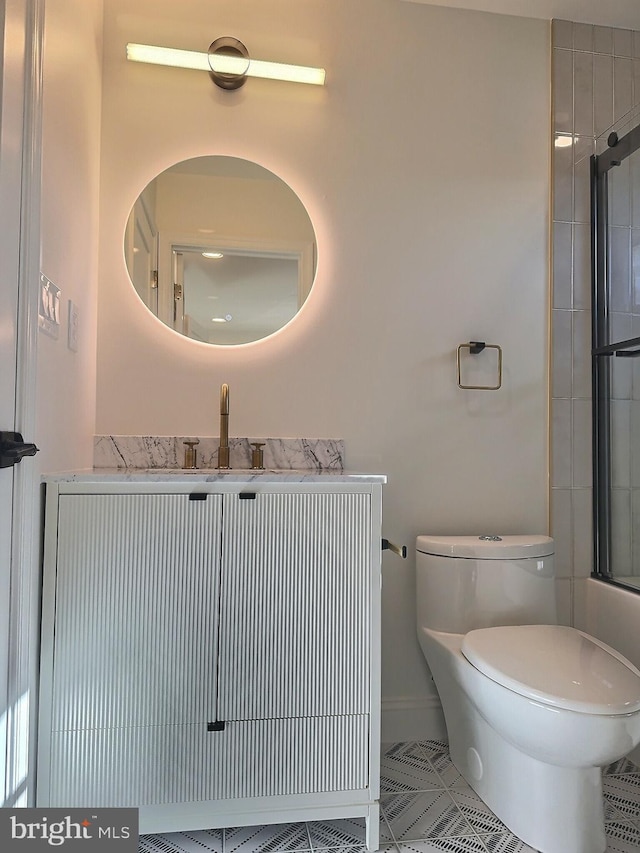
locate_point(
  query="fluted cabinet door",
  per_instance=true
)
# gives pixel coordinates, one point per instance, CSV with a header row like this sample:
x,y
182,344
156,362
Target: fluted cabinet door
x,y
136,641
295,606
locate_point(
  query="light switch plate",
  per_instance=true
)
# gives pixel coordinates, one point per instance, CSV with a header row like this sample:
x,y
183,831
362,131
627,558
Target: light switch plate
x,y
49,307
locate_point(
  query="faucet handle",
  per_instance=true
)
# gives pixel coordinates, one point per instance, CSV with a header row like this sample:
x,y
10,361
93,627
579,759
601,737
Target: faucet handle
x,y
190,453
257,455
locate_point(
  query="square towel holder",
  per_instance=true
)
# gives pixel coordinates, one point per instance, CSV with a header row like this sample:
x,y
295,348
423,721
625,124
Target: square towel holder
x,y
474,348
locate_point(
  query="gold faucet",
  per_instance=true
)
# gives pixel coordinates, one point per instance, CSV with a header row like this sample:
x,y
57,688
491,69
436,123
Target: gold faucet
x,y
223,449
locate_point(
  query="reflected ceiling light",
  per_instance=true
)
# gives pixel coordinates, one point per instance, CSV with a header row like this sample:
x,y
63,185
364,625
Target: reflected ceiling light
x,y
212,255
562,141
224,319
228,63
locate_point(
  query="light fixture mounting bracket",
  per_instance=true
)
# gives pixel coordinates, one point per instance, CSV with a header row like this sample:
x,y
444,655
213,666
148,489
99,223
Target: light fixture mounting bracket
x,y
227,46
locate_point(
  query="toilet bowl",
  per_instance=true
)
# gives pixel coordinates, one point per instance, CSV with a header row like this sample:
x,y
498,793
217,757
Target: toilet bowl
x,y
533,710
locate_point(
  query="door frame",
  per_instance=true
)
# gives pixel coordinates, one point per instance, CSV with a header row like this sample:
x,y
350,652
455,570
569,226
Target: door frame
x,y
23,628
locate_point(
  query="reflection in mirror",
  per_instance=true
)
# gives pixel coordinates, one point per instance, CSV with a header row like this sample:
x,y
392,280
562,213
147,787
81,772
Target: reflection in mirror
x,y
221,250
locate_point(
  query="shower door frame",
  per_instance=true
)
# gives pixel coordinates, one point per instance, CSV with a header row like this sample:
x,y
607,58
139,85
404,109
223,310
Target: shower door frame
x,y
603,349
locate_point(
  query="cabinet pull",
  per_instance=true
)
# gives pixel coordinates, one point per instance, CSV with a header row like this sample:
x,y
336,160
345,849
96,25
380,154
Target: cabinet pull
x,y
247,496
198,496
217,726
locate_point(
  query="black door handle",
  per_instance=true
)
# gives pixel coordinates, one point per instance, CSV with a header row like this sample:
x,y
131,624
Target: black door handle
x,y
13,448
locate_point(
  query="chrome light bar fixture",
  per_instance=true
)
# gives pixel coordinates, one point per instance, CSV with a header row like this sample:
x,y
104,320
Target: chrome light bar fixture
x,y
228,63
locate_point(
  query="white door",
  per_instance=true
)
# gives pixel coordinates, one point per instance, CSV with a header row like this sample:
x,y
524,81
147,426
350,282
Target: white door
x,y
18,40
10,179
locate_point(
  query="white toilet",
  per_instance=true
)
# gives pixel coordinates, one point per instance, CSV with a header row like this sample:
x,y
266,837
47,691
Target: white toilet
x,y
533,710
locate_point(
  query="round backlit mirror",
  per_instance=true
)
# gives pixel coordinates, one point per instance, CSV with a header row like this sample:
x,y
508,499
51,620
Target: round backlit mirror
x,y
221,250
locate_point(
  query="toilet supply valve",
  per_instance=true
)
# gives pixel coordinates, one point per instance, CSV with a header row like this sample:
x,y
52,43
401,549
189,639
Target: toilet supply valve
x,y
190,453
257,455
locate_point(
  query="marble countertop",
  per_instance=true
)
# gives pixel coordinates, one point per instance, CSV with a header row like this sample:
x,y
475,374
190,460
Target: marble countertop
x,y
210,475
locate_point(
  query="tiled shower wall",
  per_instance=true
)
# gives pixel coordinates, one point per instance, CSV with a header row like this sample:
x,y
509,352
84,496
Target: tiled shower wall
x,y
596,81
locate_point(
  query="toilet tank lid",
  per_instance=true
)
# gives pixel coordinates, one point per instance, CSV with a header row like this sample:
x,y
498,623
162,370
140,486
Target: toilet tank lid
x,y
486,547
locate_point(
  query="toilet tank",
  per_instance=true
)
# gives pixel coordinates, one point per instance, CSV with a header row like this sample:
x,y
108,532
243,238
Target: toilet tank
x,y
467,582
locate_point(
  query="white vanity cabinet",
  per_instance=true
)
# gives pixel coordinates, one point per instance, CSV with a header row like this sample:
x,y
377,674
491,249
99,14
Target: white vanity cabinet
x,y
211,649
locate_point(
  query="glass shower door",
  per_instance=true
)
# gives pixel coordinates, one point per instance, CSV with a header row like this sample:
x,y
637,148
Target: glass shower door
x,y
616,357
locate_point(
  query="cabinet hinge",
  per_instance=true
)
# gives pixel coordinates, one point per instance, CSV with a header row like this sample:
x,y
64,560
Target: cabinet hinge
x,y
217,726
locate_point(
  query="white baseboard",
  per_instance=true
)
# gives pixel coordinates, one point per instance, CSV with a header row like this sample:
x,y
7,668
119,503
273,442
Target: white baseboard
x,y
408,718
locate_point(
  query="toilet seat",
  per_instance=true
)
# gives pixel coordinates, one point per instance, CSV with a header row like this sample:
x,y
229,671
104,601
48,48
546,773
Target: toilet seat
x,y
558,666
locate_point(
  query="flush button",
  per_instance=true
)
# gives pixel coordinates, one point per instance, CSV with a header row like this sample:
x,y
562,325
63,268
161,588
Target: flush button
x,y
490,538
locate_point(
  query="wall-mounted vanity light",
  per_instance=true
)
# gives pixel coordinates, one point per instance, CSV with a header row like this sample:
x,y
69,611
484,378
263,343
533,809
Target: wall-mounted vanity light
x,y
228,63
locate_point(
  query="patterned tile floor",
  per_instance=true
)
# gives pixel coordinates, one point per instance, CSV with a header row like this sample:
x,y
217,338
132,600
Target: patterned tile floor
x,y
426,807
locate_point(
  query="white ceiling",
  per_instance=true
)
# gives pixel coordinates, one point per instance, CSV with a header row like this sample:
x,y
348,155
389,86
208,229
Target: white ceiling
x,y
609,13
